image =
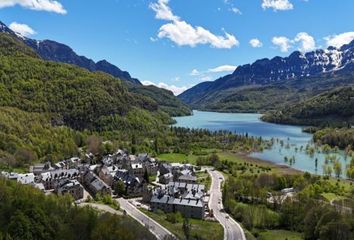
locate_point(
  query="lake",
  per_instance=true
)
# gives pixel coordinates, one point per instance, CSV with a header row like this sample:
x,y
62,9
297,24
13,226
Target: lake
x,y
293,137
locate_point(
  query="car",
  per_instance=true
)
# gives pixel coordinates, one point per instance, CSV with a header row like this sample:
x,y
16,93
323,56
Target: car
x,y
227,216
220,178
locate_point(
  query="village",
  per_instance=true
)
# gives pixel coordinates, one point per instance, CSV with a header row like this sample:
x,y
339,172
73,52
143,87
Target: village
x,y
169,187
142,187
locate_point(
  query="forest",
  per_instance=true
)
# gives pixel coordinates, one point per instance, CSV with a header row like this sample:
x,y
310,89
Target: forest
x,y
340,137
329,109
256,202
27,214
330,116
76,97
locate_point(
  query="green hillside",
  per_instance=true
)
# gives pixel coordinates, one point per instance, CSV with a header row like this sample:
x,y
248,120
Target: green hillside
x,y
26,213
332,108
164,98
48,110
81,99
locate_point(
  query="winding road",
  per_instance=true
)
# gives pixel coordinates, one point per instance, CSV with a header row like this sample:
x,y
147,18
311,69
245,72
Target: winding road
x,y
159,231
232,230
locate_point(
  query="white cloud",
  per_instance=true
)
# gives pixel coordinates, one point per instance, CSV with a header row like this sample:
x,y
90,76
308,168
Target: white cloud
x,y
163,11
176,90
280,5
184,34
39,5
236,10
195,72
22,29
340,39
307,42
152,39
232,7
283,43
223,68
304,41
206,75
256,43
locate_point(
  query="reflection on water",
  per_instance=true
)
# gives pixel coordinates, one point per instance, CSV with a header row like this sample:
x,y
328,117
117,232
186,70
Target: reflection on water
x,y
291,145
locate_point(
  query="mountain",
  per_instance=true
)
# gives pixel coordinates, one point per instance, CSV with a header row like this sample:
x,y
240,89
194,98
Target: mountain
x,y
235,92
48,109
79,98
164,98
58,52
331,108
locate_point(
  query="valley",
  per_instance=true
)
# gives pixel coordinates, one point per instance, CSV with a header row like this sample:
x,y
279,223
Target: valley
x,y
235,120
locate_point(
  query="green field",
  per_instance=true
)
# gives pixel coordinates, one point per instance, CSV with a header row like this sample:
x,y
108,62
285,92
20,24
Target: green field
x,y
279,235
178,158
200,229
329,196
183,158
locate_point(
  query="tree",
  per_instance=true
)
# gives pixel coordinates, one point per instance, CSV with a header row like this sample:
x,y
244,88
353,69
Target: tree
x,y
20,226
25,156
350,172
335,231
120,188
156,145
94,144
310,222
186,228
171,217
327,170
337,165
146,176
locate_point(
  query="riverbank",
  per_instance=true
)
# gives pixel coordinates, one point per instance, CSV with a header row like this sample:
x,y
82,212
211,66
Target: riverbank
x,y
279,168
291,147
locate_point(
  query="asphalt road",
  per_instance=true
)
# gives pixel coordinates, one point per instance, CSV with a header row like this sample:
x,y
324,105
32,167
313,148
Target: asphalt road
x,y
232,230
159,231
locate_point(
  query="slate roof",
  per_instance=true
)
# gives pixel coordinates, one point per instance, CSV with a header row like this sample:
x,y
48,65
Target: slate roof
x,y
179,193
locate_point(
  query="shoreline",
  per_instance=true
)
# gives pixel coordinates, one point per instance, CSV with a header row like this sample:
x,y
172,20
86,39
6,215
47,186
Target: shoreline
x,y
281,168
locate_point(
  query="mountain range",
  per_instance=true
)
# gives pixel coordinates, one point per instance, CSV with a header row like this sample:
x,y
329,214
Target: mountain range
x,y
53,51
268,83
58,52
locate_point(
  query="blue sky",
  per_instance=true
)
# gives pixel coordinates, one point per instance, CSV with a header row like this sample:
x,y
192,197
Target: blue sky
x,y
179,43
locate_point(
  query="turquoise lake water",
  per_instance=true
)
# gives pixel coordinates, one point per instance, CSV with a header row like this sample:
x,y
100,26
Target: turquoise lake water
x,y
241,123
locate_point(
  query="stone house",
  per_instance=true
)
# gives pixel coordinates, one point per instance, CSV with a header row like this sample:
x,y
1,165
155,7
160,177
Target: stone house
x,y
188,199
51,179
94,184
72,187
